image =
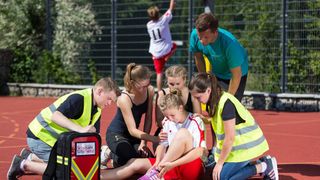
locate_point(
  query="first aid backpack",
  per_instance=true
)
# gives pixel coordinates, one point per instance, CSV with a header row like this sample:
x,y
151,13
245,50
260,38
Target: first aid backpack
x,y
75,156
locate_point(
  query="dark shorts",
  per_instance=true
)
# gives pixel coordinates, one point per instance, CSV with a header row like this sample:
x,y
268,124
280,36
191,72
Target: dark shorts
x,y
122,148
224,83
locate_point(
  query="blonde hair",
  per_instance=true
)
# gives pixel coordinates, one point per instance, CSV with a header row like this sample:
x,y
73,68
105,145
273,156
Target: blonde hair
x,y
176,71
108,85
136,73
153,13
171,100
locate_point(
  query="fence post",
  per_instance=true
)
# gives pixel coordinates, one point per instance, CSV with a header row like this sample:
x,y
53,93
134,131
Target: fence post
x,y
48,25
113,38
190,18
284,45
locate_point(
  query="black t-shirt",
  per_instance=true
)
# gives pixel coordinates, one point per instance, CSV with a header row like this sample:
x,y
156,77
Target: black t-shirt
x,y
229,112
72,108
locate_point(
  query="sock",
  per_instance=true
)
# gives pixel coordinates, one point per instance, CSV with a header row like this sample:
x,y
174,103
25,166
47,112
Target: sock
x,y
22,164
29,157
263,167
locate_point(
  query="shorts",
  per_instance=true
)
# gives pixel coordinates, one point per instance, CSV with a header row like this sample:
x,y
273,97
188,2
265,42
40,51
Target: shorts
x,y
191,170
161,61
39,148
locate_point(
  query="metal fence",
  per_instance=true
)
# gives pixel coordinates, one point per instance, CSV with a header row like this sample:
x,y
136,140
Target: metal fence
x,y
282,38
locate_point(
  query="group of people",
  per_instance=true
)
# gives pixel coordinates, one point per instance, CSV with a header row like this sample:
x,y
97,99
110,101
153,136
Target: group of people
x,y
180,148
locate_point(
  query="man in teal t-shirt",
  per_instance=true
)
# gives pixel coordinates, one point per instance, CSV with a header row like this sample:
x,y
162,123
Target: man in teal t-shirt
x,y
228,58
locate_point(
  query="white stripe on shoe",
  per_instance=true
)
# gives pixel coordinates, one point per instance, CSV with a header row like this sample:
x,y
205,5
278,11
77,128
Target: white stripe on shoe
x,y
275,168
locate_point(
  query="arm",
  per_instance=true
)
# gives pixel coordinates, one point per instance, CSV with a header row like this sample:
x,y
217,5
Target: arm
x,y
159,115
200,62
235,80
63,121
148,116
229,129
195,153
161,150
125,105
172,5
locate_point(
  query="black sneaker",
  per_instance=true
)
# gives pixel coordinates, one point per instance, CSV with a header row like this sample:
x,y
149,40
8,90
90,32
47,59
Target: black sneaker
x,y
14,171
272,169
25,153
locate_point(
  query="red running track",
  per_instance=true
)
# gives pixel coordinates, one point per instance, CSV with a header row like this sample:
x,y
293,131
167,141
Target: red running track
x,y
294,138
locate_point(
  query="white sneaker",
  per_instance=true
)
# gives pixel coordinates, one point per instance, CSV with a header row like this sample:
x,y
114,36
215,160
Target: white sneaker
x,y
105,155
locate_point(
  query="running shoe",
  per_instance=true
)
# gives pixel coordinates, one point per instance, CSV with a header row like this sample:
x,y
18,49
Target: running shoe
x,y
272,169
151,175
14,171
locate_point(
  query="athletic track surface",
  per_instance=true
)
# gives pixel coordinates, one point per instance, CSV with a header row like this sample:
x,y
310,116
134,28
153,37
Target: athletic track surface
x,y
294,138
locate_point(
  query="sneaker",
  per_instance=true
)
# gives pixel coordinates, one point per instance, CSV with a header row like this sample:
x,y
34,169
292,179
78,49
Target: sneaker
x,y
272,169
25,153
105,155
210,161
151,175
14,170
264,158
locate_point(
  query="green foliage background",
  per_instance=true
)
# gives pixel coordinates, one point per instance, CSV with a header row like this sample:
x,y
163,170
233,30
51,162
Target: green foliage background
x,y
256,23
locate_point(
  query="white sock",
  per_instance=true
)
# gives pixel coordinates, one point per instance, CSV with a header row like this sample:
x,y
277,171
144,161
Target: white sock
x,y
29,157
22,164
263,167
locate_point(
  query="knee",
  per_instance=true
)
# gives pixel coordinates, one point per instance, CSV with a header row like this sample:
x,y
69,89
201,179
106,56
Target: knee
x,y
138,165
224,175
183,134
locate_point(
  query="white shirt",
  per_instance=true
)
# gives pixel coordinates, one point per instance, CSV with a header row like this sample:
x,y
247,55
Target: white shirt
x,y
160,36
193,124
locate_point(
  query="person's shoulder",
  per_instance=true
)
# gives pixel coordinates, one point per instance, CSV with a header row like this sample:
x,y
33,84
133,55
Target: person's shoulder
x,y
75,97
162,92
167,13
124,98
194,32
195,119
150,23
226,35
150,90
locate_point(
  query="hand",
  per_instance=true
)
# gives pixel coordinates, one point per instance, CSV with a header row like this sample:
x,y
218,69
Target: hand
x,y
143,151
163,136
216,171
164,168
89,128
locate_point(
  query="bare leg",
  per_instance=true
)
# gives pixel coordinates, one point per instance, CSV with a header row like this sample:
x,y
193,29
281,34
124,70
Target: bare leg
x,y
159,81
35,167
35,158
181,144
133,166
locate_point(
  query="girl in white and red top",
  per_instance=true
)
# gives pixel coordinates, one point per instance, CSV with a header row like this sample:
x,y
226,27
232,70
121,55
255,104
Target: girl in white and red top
x,y
161,45
179,155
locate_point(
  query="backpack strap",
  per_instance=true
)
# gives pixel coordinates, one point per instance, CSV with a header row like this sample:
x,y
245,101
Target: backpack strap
x,y
50,172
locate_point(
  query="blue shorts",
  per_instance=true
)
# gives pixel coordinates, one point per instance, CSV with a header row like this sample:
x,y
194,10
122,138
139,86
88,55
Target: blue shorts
x,y
39,148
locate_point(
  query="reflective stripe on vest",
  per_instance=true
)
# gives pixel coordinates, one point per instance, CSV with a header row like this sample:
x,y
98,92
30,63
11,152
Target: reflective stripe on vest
x,y
240,131
249,140
45,124
48,131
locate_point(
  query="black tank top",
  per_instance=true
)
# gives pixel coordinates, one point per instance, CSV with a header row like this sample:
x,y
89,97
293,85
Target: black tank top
x,y
118,124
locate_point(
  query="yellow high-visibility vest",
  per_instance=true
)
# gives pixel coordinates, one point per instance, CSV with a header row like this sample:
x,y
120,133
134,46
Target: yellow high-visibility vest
x,y
45,129
249,140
